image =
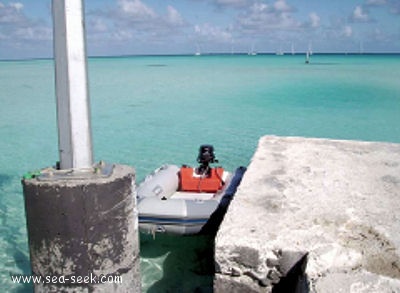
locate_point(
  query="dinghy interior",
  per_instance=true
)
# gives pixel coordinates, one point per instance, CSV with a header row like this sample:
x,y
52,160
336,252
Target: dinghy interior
x,y
186,200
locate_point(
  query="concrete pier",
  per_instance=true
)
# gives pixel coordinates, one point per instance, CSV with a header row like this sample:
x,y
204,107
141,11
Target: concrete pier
x,y
83,230
313,215
81,218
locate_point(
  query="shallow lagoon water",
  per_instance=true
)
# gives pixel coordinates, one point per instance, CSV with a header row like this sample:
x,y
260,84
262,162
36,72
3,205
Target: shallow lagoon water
x,y
147,111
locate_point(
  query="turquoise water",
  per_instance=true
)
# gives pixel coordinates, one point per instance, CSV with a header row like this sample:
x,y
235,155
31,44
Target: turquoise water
x,y
147,111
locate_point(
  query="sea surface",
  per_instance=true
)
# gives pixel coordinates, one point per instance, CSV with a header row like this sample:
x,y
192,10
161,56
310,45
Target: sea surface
x,y
151,110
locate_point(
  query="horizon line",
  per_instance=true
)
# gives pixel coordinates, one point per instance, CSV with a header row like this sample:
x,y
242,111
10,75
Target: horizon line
x,y
210,54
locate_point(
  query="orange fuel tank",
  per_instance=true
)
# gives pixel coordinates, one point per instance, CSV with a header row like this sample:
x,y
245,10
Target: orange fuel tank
x,y
190,181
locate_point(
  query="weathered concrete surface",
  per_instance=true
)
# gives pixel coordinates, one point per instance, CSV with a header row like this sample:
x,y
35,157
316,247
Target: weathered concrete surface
x,y
82,229
335,203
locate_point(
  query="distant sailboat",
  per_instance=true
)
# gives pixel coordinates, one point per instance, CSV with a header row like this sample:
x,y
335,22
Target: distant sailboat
x,y
310,52
252,52
280,52
197,50
293,52
307,57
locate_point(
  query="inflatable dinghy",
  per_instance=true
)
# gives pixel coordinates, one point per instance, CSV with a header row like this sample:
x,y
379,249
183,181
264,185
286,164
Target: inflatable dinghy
x,y
185,200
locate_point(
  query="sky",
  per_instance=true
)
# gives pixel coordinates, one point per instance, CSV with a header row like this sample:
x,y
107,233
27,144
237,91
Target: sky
x,y
129,27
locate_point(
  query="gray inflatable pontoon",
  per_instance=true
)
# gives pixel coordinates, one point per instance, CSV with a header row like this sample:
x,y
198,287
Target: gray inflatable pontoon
x,y
164,208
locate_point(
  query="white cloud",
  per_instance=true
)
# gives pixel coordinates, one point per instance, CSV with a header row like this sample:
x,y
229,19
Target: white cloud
x,y
135,25
21,35
17,5
135,9
174,17
135,20
139,16
11,13
282,6
261,18
207,32
315,20
347,31
16,26
359,15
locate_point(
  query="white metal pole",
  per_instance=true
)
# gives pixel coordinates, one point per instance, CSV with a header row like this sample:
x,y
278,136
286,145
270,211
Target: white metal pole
x,y
73,108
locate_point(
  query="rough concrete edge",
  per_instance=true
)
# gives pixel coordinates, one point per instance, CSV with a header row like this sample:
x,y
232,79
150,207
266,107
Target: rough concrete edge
x,y
223,274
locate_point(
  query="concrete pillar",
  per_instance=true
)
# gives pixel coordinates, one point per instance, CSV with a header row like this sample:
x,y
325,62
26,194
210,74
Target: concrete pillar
x,y
73,107
82,219
83,226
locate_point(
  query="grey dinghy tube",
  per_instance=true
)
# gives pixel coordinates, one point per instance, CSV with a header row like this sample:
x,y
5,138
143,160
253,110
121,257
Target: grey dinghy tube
x,y
162,208
162,183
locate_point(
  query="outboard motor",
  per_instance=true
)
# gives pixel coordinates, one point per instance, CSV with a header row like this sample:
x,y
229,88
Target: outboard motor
x,y
205,158
203,178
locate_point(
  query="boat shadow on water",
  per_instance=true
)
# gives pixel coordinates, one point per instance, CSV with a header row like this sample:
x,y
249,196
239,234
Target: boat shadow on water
x,y
188,265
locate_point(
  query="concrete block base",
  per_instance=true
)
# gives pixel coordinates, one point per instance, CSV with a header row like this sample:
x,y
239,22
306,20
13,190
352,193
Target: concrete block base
x,y
316,215
83,232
